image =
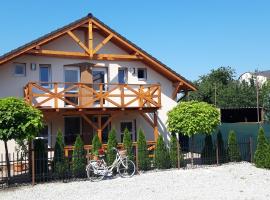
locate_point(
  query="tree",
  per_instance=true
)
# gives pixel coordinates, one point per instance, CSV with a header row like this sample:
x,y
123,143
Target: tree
x,y
233,149
112,142
162,157
262,150
60,164
208,154
127,142
143,155
19,121
78,158
222,155
96,144
191,118
173,151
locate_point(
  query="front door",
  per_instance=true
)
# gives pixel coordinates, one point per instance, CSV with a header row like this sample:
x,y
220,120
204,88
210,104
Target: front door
x,y
71,76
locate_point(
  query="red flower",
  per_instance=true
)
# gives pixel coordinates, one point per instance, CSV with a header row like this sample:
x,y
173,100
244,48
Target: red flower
x,y
100,151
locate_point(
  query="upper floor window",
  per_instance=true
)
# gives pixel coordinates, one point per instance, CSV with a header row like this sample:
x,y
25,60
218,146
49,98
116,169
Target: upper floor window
x,y
45,75
19,69
142,74
122,75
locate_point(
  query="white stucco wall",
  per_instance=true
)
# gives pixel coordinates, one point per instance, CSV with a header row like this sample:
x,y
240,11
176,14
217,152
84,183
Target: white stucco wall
x,y
248,76
11,85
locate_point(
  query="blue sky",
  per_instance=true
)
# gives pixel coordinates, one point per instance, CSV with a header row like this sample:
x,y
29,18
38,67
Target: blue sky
x,y
190,36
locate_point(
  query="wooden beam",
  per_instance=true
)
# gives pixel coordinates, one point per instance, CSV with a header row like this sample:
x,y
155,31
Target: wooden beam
x,y
89,121
147,119
90,38
155,126
177,87
78,41
100,45
116,57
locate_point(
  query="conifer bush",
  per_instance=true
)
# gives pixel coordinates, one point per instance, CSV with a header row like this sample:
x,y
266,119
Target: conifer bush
x,y
60,164
173,151
208,153
222,154
96,144
233,149
162,157
112,142
143,155
262,151
78,158
127,142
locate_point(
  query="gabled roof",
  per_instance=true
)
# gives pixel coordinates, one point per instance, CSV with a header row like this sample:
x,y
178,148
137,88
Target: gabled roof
x,y
157,65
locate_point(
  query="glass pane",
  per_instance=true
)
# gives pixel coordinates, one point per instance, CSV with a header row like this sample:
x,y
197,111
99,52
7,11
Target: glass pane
x,y
72,129
125,125
98,77
45,75
141,73
72,76
121,76
20,69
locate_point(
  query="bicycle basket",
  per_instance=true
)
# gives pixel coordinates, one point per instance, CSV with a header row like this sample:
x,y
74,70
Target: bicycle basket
x,y
123,153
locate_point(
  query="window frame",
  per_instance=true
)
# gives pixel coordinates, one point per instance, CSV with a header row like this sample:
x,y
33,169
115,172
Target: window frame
x,y
145,74
125,74
49,76
15,64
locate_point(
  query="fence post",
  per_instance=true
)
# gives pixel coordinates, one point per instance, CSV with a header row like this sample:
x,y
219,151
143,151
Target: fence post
x,y
251,149
217,152
178,155
33,167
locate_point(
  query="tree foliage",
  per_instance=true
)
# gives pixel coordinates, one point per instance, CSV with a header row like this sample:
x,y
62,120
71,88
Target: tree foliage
x,y
208,153
112,142
190,118
127,142
96,144
262,150
222,154
19,121
162,157
173,151
233,148
78,158
143,155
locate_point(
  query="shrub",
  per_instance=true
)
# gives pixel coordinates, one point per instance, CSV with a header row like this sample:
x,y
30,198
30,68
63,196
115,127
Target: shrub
x,y
233,149
173,151
261,153
41,159
60,164
143,156
222,154
208,153
78,158
96,144
162,157
112,142
127,142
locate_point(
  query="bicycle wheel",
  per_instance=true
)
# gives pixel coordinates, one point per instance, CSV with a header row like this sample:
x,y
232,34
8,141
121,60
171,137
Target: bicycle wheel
x,y
126,168
95,173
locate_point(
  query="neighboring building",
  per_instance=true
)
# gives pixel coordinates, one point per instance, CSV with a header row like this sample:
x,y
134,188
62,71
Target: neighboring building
x,y
86,79
262,77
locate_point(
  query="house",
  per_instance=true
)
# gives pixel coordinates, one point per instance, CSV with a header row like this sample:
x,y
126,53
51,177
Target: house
x,y
86,79
262,77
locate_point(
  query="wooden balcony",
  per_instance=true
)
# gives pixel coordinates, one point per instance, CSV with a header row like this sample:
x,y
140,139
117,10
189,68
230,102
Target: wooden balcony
x,y
57,95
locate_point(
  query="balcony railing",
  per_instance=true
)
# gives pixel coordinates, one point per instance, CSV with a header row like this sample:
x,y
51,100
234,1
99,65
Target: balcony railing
x,y
83,95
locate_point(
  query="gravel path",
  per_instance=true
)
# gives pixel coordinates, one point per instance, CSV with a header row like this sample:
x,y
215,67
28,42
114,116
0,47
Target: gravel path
x,y
231,181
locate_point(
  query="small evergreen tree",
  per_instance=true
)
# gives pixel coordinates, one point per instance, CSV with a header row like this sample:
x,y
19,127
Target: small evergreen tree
x,y
59,161
233,149
208,154
96,144
173,151
112,142
261,153
162,157
143,156
127,142
222,155
78,158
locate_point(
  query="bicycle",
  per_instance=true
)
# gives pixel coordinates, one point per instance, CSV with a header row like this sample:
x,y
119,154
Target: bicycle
x,y
97,169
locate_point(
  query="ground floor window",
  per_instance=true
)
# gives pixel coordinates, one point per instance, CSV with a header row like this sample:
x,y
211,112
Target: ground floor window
x,y
72,129
126,125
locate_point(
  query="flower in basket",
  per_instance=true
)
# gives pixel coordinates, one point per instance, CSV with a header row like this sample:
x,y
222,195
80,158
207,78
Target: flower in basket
x,y
101,151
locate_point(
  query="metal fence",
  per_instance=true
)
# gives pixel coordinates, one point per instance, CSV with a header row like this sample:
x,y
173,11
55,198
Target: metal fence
x,y
39,167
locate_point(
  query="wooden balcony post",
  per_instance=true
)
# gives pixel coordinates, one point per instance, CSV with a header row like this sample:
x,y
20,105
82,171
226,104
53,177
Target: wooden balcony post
x,y
99,130
155,126
101,95
122,96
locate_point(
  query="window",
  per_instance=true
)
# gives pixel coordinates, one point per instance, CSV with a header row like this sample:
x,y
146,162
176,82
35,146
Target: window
x,y
126,125
142,74
122,75
19,69
72,129
45,75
